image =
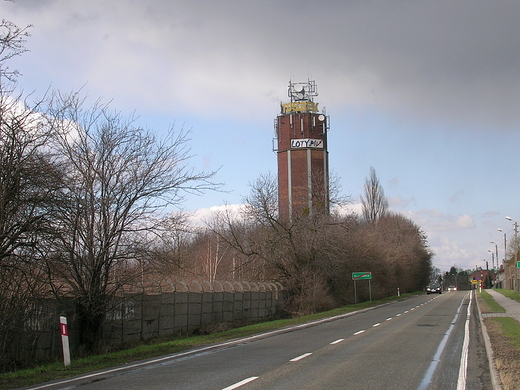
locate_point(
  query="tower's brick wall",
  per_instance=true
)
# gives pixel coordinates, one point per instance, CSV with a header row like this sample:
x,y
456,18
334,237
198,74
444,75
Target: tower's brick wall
x,y
302,163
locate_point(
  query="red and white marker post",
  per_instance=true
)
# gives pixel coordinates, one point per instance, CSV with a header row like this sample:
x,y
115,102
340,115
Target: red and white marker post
x,y
64,330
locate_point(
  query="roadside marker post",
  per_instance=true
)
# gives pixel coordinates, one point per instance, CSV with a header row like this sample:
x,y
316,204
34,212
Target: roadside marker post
x,y
362,276
64,330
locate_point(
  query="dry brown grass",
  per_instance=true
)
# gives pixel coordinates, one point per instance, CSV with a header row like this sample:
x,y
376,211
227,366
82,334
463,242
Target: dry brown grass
x,y
507,356
506,350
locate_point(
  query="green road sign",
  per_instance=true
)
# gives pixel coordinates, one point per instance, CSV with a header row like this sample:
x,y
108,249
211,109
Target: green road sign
x,y
361,275
518,264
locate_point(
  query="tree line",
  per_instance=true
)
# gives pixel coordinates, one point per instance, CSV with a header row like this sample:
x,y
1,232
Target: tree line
x,y
81,188
85,212
314,255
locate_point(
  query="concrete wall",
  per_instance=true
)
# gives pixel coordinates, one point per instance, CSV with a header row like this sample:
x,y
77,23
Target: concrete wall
x,y
181,308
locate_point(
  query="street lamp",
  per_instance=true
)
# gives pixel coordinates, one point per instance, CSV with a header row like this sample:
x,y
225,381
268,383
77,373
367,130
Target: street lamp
x,y
496,252
515,248
505,243
492,258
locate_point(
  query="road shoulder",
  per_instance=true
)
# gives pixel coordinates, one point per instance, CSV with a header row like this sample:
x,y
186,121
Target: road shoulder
x,y
503,354
495,378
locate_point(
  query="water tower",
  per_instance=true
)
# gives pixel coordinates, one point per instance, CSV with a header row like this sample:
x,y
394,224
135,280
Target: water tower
x,y
303,158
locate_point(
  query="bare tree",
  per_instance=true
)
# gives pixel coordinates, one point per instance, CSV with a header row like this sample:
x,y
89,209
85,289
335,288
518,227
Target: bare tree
x,y
293,252
314,255
28,183
117,176
28,177
165,249
25,166
395,250
12,44
375,204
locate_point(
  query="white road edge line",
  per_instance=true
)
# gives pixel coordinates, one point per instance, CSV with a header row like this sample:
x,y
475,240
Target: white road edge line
x,y
437,357
463,367
300,357
337,341
241,383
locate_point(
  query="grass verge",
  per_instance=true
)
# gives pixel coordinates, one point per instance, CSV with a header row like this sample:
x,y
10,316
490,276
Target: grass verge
x,y
510,329
55,371
510,294
504,334
488,304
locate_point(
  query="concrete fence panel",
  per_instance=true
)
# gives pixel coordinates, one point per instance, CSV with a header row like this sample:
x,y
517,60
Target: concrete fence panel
x,y
167,309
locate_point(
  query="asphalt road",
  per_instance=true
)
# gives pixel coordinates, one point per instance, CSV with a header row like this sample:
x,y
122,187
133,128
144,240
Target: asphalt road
x,y
416,343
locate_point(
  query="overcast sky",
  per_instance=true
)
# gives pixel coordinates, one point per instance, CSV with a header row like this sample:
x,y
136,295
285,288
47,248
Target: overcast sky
x,y
426,92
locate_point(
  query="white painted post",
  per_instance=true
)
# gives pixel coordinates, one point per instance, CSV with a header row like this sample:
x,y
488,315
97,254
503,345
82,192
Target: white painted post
x,y
398,292
64,330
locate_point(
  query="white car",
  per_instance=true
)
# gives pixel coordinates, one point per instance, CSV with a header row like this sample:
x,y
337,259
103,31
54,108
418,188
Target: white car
x,y
452,288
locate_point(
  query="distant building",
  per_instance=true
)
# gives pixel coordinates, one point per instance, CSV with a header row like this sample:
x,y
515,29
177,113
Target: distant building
x,y
511,275
483,277
303,160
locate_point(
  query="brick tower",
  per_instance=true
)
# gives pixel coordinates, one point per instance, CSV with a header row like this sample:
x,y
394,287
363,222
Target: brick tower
x,y
303,158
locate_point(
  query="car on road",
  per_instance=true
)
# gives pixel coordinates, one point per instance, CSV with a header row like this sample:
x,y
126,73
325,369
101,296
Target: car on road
x,y
433,289
452,288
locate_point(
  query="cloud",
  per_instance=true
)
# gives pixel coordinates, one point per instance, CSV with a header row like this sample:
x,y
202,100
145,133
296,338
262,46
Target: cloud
x,y
440,61
199,217
432,221
449,253
394,182
435,221
348,209
456,196
490,214
400,202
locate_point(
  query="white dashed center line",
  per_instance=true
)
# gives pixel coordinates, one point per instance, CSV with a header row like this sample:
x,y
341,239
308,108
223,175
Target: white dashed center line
x,y
337,341
300,357
241,383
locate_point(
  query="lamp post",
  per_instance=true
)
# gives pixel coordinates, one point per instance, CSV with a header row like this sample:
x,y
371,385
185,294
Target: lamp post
x,y
491,275
515,249
503,274
496,254
492,258
505,244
